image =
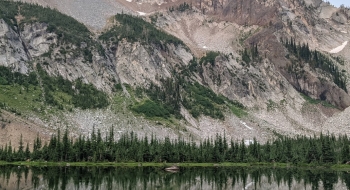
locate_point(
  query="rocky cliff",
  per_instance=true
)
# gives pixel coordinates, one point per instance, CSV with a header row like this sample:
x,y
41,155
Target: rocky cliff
x,y
207,67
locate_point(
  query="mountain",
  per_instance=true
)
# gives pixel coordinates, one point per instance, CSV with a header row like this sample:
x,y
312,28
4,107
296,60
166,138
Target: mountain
x,y
190,69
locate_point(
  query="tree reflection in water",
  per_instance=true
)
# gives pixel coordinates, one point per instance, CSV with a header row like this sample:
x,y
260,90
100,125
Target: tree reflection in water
x,y
15,177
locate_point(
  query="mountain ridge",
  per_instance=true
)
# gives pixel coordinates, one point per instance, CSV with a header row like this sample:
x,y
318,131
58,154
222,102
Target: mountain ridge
x,y
254,69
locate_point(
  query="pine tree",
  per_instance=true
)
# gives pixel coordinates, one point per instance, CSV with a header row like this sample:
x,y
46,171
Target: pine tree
x,y
27,152
9,155
327,151
65,146
36,148
20,153
242,152
59,146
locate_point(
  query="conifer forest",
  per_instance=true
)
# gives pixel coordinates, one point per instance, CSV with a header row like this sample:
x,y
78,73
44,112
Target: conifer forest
x,y
322,149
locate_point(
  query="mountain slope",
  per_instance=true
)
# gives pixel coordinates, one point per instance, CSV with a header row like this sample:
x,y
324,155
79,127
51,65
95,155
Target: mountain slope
x,y
241,68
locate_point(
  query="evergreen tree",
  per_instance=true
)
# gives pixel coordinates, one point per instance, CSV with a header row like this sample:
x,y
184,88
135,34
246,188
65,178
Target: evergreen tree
x,y
27,152
36,148
20,153
66,146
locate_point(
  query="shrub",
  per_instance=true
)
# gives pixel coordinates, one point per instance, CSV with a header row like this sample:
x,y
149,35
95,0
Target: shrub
x,y
152,109
209,58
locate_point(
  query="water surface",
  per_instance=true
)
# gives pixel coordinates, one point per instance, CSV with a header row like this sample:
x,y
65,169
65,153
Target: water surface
x,y
14,177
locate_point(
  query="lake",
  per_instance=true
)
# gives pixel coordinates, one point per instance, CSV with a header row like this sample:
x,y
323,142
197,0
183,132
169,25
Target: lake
x,y
69,178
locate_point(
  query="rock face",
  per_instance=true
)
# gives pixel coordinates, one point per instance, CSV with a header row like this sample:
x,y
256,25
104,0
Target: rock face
x,y
274,20
37,39
12,52
264,84
35,43
137,65
248,12
340,18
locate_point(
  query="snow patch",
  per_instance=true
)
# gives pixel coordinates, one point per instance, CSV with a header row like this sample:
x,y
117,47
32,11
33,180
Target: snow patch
x,y
339,48
205,47
345,32
129,1
248,142
248,185
245,125
141,13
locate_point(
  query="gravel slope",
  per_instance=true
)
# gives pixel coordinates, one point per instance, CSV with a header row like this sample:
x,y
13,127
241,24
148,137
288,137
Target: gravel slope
x,y
93,13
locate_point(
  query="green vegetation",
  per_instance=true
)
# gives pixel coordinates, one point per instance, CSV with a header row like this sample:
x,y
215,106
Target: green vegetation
x,y
132,164
301,150
315,101
315,59
64,26
181,8
17,99
271,105
60,92
245,35
118,87
192,66
135,29
167,96
7,77
145,164
238,109
151,109
251,55
67,29
62,177
195,98
199,99
8,11
202,100
22,93
246,56
164,101
19,92
100,177
209,58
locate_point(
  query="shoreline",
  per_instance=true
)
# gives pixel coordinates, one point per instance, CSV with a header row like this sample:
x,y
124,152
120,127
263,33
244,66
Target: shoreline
x,y
338,167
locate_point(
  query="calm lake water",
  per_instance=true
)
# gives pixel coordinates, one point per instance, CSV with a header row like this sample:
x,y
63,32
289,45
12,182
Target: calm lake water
x,y
14,177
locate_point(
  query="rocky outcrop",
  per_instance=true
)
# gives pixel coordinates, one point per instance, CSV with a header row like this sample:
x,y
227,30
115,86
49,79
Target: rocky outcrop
x,y
34,43
339,17
13,53
37,39
248,12
140,65
319,88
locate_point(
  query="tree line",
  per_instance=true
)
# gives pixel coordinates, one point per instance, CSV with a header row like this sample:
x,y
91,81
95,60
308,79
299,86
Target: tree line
x,y
135,29
322,149
315,59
